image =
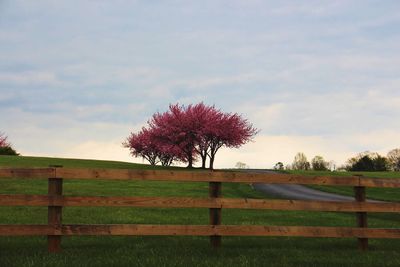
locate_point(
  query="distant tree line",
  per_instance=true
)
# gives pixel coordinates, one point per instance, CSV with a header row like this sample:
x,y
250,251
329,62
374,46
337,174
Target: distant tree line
x,y
241,165
371,161
300,162
365,161
188,133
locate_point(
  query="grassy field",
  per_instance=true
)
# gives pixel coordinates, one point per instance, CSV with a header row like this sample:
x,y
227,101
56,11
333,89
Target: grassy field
x,y
177,251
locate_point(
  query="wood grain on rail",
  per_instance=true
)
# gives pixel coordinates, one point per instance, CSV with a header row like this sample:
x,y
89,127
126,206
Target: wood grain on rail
x,y
28,230
203,176
196,176
229,230
379,182
199,230
188,202
224,176
27,172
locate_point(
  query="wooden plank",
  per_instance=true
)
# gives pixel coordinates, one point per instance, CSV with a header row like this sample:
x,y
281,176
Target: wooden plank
x,y
277,204
31,200
199,230
28,230
361,217
26,172
230,230
204,176
379,182
197,176
187,202
222,176
215,214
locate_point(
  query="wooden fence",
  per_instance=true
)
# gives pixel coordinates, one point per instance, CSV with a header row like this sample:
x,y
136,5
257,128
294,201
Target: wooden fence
x,y
55,201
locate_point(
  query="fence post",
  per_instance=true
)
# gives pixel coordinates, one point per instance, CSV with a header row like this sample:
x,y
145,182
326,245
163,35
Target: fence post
x,y
215,213
361,217
55,185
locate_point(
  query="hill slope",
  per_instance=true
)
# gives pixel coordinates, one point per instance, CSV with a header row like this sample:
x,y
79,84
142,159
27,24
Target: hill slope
x,y
22,161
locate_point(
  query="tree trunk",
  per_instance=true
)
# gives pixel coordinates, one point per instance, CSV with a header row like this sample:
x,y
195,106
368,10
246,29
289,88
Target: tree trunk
x,y
190,162
213,152
203,161
152,161
212,162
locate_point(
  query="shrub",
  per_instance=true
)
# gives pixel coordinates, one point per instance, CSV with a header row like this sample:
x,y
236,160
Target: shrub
x,y
369,162
5,146
319,164
7,150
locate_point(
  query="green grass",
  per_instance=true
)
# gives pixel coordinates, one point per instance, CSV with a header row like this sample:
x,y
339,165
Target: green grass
x,y
71,163
385,194
173,250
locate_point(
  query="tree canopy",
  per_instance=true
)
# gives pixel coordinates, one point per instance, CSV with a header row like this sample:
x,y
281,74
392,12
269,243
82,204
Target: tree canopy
x,y
300,162
187,133
319,164
368,161
393,157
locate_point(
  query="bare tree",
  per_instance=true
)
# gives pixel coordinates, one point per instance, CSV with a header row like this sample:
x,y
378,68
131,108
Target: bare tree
x,y
332,165
300,162
319,164
394,159
241,165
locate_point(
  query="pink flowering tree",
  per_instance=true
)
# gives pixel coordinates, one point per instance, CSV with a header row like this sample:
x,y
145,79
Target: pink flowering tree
x,y
222,130
176,129
5,146
229,130
202,119
3,140
186,133
145,144
141,145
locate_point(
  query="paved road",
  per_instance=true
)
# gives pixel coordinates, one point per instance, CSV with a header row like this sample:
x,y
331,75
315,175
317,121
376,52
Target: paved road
x,y
292,191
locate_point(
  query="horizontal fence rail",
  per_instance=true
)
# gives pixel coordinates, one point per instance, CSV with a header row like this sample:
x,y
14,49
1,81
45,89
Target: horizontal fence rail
x,y
56,201
198,230
187,202
198,176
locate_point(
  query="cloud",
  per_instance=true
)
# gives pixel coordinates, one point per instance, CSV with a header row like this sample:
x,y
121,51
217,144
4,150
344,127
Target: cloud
x,y
30,78
321,78
325,114
267,150
100,150
309,8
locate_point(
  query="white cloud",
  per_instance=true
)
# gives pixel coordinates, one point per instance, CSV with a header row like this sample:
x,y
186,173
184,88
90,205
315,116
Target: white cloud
x,y
99,150
29,78
323,80
330,113
265,151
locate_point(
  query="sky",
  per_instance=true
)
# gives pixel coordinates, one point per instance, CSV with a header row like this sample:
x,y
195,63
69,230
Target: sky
x,y
319,77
